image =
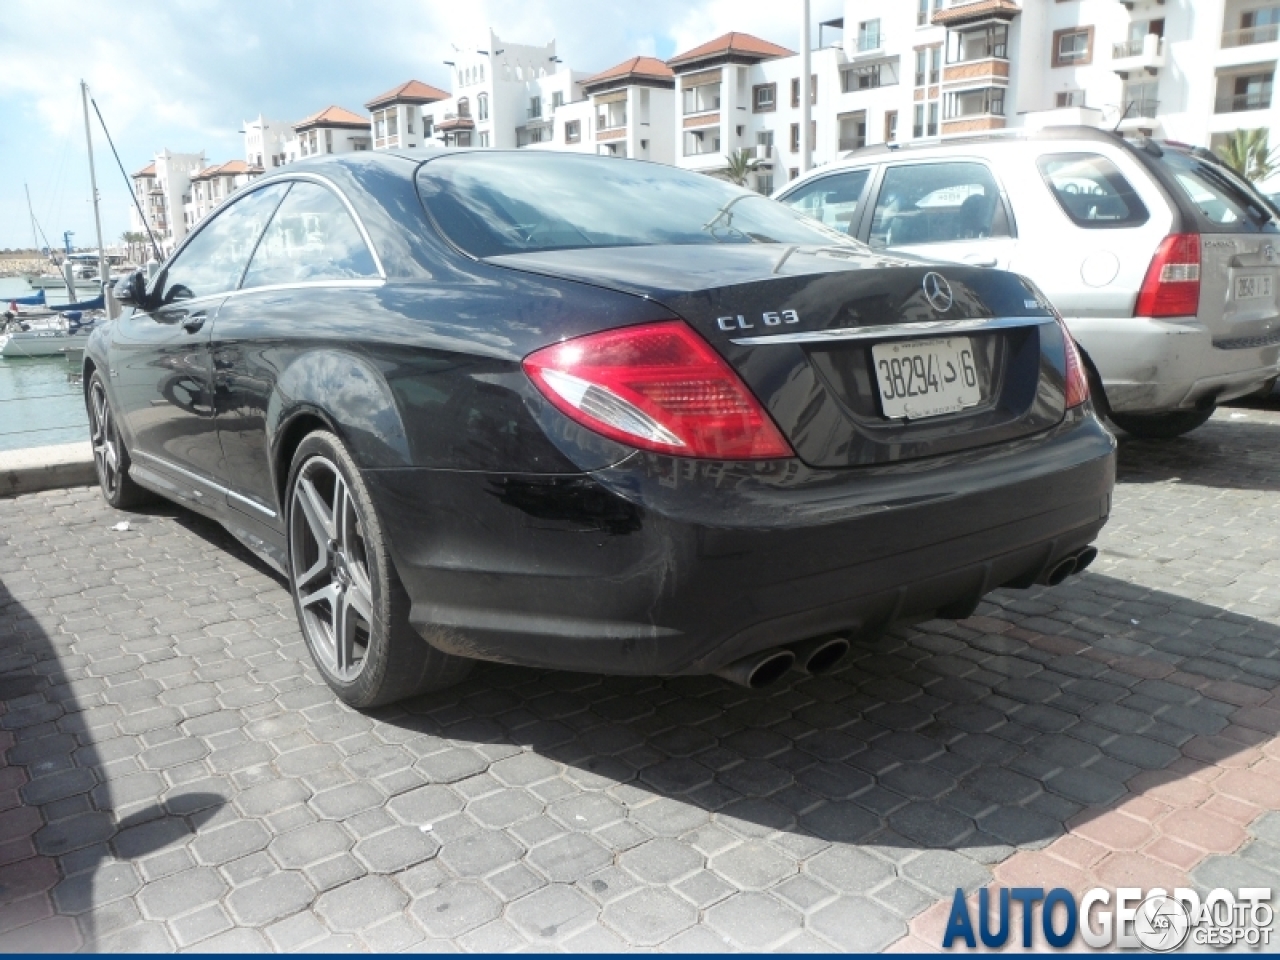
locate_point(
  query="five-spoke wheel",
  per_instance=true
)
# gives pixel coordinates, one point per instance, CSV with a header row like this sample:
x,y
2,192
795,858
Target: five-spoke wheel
x,y
352,607
110,457
330,568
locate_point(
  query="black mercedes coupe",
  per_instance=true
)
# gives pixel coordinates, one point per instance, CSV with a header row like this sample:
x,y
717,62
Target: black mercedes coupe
x,y
593,414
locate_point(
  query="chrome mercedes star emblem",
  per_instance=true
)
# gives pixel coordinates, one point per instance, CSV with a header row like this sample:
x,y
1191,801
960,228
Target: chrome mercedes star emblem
x,y
938,292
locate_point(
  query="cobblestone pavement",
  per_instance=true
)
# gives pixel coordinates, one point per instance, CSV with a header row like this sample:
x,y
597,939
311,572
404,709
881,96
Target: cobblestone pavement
x,y
178,776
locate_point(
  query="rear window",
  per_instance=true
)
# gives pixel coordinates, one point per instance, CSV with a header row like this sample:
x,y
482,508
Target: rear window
x,y
1219,195
1092,191
491,204
832,199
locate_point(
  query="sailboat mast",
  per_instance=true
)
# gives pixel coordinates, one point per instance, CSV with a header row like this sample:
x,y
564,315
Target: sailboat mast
x,y
35,239
103,276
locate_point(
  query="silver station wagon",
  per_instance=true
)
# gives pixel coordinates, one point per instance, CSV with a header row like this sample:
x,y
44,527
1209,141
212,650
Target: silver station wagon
x,y
1163,262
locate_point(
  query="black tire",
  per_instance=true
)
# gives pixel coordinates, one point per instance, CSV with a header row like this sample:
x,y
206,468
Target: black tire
x,y
1161,426
351,605
110,457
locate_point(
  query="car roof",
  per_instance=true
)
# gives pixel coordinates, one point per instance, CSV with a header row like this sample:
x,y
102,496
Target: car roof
x,y
994,138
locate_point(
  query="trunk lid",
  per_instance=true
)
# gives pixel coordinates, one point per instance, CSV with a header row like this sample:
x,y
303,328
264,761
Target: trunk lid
x,y
801,325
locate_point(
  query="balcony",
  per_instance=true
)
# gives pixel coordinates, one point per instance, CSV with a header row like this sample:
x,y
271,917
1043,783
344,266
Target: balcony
x,y
1243,102
1250,36
1144,54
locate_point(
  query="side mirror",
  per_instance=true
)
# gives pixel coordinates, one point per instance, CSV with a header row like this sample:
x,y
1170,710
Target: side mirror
x,y
131,290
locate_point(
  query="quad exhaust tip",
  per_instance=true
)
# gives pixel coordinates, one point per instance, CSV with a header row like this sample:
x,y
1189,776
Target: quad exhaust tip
x,y
1075,563
759,670
820,654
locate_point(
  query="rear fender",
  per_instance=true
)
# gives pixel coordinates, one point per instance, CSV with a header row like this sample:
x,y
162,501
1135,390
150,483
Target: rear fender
x,y
347,392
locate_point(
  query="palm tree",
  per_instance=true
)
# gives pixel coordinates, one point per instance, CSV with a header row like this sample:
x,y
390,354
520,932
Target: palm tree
x,y
1249,153
741,163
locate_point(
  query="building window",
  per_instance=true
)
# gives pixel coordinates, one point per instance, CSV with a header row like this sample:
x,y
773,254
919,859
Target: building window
x,y
464,138
927,59
702,99
464,107
869,77
699,142
869,35
988,101
484,138
557,99
764,97
917,128
793,173
1073,47
1070,98
328,141
795,138
428,125
935,63
932,128
922,13
482,107
795,90
764,138
890,126
981,44
764,183
573,131
535,108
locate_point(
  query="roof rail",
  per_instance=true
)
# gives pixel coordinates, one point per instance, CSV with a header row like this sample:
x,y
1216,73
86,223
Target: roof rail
x,y
1063,132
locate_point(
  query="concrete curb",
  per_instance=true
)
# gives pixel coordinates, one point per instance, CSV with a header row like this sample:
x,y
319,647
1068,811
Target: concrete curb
x,y
46,468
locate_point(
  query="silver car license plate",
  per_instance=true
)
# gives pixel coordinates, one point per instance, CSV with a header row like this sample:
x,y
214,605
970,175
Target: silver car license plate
x,y
926,378
1254,287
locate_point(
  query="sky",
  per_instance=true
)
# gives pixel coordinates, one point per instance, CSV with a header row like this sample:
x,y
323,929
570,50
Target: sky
x,y
186,74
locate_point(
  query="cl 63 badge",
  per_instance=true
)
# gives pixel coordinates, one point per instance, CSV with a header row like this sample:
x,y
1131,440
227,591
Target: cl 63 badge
x,y
773,318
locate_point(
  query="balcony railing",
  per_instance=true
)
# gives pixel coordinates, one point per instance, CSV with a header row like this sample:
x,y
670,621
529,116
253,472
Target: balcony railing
x,y
1242,102
604,123
1251,35
852,143
1130,48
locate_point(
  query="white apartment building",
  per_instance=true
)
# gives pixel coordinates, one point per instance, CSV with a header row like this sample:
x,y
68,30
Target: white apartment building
x,y
266,142
163,189
399,118
331,130
214,184
632,112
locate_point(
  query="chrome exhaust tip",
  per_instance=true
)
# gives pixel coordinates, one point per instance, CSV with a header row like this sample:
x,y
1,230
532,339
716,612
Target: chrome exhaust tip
x,y
758,670
1084,558
1060,572
820,654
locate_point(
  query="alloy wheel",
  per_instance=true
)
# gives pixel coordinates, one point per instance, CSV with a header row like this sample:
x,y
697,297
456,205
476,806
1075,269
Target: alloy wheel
x,y
330,568
105,440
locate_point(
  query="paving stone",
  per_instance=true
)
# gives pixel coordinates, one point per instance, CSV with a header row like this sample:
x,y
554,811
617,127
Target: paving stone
x,y
649,917
554,912
661,861
753,921
568,857
271,898
361,903
181,893
455,908
396,849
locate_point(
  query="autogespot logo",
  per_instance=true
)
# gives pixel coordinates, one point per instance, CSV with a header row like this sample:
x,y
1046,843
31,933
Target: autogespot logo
x,y
1155,919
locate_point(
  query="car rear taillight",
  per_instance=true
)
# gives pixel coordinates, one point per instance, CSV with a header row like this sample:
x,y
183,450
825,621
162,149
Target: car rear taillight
x,y
1172,284
1077,376
657,386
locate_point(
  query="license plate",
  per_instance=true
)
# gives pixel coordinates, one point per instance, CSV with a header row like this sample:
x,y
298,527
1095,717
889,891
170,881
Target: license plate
x,y
926,378
1254,287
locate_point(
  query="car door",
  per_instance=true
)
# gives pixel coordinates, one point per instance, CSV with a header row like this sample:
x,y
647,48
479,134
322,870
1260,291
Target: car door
x,y
945,210
159,353
835,199
307,288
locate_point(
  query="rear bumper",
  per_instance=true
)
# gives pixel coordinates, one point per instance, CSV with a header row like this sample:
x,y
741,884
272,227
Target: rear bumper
x,y
659,566
1149,366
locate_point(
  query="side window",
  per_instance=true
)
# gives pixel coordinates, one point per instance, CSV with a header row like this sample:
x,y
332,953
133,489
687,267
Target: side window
x,y
311,237
833,200
1092,191
216,256
937,203
1224,200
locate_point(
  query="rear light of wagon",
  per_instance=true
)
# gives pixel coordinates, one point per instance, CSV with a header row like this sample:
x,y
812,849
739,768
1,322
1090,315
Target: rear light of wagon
x,y
1077,376
657,386
1172,284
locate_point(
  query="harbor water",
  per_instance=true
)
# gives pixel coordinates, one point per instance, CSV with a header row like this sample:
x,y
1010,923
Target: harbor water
x,y
41,402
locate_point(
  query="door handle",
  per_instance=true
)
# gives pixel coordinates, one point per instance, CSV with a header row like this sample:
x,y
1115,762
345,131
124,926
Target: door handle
x,y
981,261
193,322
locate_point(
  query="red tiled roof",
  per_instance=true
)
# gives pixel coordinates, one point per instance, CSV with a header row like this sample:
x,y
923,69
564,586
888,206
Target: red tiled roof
x,y
411,91
148,171
740,43
333,117
457,123
231,168
982,9
635,67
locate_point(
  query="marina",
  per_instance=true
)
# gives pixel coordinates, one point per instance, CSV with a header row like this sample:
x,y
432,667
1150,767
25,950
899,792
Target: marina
x,y
40,397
